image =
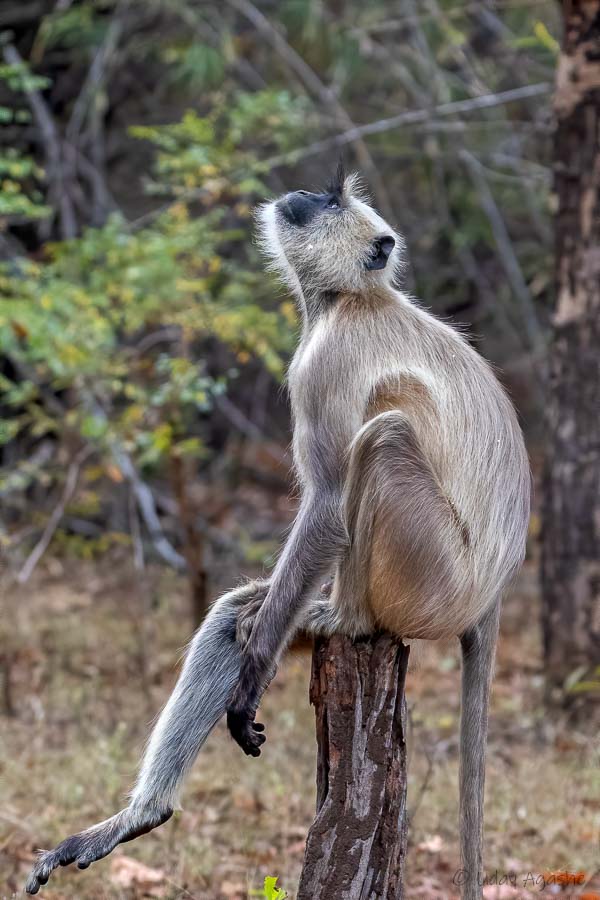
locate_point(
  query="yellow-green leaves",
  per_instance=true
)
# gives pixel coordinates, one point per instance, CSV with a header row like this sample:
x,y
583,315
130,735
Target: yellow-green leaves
x,y
270,891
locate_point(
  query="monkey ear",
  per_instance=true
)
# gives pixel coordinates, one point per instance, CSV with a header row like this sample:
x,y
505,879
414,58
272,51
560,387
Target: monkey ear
x,y
380,252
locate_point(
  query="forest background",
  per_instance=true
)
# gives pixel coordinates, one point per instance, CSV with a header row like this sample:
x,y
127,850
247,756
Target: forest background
x,y
144,432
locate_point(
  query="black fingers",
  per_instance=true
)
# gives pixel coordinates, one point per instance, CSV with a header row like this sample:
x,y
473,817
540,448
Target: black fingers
x,y
65,854
245,731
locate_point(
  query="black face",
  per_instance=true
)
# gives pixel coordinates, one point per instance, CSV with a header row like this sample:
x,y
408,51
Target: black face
x,y
301,207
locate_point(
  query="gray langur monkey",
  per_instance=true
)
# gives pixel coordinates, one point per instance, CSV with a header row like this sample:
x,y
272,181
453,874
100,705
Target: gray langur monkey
x,y
415,498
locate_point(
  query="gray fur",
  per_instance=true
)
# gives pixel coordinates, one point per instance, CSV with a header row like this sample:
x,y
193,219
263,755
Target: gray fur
x,y
413,469
197,703
415,497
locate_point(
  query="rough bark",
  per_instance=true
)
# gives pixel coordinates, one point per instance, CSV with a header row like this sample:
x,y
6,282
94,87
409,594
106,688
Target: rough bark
x,y
356,846
571,516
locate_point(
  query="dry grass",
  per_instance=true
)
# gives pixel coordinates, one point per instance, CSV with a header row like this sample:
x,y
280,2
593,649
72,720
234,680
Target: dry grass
x,y
87,675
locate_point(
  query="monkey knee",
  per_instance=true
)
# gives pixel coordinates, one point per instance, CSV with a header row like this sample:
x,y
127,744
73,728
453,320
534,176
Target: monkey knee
x,y
384,451
247,593
388,432
247,616
227,608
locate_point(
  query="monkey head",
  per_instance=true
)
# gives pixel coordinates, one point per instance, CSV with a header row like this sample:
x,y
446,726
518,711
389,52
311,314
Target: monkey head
x,y
329,242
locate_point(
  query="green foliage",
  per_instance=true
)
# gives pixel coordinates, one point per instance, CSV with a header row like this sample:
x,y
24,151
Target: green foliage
x,y
195,66
171,120
74,27
270,891
583,681
115,321
201,157
21,198
540,40
19,78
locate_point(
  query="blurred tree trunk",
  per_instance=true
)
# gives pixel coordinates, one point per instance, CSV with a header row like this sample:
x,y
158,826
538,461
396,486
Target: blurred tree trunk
x,y
356,846
182,479
571,515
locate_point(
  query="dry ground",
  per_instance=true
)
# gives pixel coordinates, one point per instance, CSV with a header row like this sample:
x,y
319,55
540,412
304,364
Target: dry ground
x,y
90,655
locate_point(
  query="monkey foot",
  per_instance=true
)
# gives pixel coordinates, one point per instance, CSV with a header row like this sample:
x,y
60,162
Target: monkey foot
x,y
94,843
245,731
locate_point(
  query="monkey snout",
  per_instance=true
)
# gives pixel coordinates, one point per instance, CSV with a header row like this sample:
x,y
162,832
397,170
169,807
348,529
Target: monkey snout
x,y
381,249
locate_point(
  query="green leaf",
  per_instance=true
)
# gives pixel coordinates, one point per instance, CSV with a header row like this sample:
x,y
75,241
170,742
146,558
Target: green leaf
x,y
271,891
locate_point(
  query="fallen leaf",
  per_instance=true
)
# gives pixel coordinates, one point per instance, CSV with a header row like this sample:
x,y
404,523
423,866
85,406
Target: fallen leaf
x,y
126,872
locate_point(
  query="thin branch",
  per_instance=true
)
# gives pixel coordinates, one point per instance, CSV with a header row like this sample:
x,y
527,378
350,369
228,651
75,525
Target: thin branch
x,y
167,334
413,117
326,96
220,540
147,507
103,199
241,421
136,533
470,265
402,22
53,522
370,48
505,249
95,77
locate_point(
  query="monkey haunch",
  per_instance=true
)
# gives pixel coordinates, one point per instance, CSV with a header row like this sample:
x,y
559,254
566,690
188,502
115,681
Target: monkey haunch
x,y
415,498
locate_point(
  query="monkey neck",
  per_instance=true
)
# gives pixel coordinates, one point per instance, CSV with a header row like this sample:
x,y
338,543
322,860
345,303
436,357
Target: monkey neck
x,y
316,303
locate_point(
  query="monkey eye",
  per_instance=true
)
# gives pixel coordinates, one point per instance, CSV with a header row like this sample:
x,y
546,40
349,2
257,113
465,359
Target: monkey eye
x,y
333,203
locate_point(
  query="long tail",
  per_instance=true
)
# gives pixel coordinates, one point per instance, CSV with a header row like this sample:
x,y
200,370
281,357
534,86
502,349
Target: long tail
x,y
199,700
478,650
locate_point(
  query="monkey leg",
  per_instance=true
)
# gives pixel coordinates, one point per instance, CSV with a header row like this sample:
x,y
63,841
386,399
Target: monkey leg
x,y
478,646
198,701
406,568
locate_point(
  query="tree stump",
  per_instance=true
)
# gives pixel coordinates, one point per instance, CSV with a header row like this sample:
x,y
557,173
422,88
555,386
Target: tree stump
x,y
356,846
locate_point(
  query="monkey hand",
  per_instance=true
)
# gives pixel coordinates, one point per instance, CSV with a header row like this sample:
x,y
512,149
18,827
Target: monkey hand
x,y
245,731
255,677
95,843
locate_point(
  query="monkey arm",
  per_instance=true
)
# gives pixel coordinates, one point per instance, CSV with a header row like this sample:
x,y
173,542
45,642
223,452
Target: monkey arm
x,y
322,436
316,539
